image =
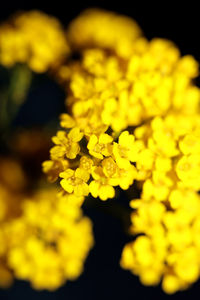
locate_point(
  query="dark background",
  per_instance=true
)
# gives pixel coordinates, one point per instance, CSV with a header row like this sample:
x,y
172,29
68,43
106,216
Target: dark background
x,y
103,278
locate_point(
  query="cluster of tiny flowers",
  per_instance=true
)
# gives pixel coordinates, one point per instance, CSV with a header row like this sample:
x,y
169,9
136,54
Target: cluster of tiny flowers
x,y
44,237
49,242
170,157
167,215
91,163
106,90
32,38
167,247
134,115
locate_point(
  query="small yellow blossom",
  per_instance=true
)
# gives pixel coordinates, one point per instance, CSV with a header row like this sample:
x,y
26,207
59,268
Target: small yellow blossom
x,y
66,144
67,121
117,176
109,167
54,167
188,171
100,186
190,144
126,177
75,181
100,147
145,159
86,163
124,151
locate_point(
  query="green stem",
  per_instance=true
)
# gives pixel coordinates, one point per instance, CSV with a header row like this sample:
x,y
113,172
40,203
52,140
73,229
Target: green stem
x,y
12,98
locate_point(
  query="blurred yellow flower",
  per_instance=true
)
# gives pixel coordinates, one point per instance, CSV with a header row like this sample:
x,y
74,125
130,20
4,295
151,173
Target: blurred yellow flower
x,y
29,37
169,249
99,28
50,237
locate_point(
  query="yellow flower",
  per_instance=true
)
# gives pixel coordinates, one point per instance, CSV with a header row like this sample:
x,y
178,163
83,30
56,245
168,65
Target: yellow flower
x,y
162,139
171,284
100,146
126,177
149,82
111,114
116,176
190,144
168,249
158,188
54,167
100,187
86,163
189,66
57,152
143,259
70,199
75,181
109,167
29,38
51,236
66,121
122,82
188,171
124,151
67,144
145,159
104,29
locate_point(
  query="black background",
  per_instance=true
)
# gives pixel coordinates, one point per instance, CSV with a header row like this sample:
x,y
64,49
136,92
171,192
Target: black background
x,y
103,278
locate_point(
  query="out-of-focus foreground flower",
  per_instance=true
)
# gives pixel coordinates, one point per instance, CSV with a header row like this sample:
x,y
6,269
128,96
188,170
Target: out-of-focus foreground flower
x,y
51,237
44,233
132,116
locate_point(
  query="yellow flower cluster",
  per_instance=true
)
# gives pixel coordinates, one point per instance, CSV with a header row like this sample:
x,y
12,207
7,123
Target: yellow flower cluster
x,y
170,155
168,213
91,163
99,28
133,114
167,247
32,38
49,242
44,237
153,81
135,106
108,93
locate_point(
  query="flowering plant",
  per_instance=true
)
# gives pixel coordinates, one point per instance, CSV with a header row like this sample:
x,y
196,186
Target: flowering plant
x,y
131,122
